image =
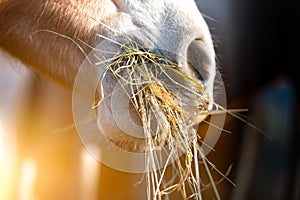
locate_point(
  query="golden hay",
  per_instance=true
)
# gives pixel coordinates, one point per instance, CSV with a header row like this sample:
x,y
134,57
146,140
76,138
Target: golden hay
x,y
153,98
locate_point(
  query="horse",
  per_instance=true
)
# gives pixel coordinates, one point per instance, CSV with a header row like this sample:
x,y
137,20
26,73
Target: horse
x,y
54,37
60,59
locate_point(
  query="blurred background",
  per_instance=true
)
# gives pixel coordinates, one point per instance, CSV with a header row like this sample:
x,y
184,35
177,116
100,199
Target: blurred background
x,y
41,156
252,42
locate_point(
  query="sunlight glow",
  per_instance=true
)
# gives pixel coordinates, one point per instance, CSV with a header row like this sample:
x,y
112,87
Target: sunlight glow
x,y
1,143
7,163
27,180
90,173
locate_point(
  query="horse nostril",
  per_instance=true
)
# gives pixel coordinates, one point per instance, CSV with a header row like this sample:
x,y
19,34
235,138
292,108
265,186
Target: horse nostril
x,y
200,60
195,72
201,65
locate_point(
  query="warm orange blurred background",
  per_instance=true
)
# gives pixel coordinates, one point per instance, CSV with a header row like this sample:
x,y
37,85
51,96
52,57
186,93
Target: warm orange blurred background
x,y
41,156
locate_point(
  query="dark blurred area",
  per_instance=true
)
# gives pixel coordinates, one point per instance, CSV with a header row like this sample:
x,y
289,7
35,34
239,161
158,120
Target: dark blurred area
x,y
252,41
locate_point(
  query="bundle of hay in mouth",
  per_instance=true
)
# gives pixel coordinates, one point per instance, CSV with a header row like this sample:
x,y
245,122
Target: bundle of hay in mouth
x,y
169,104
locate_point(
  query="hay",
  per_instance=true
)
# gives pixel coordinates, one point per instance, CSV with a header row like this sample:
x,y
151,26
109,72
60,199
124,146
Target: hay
x,y
154,100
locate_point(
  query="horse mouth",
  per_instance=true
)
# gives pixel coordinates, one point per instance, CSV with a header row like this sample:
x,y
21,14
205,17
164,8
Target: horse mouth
x,y
161,99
